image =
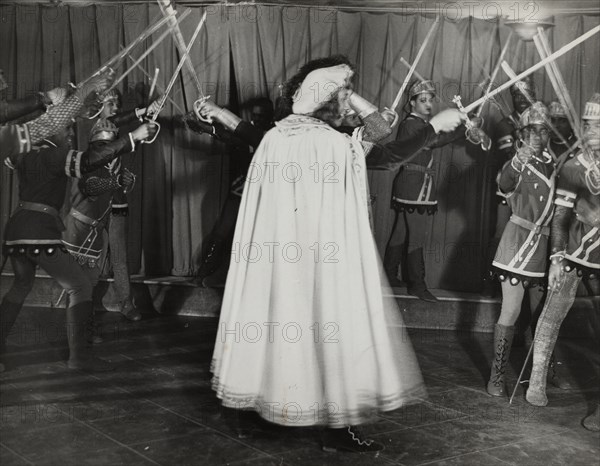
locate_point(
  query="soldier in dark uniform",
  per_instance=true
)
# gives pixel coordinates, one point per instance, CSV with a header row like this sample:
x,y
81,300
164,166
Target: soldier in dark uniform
x,y
414,193
33,234
575,249
243,137
527,182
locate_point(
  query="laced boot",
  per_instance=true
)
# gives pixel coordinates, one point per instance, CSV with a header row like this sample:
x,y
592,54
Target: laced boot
x,y
503,337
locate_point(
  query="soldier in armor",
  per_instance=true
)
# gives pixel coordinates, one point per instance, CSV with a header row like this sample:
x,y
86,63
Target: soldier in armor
x,y
99,202
575,249
506,133
33,234
527,183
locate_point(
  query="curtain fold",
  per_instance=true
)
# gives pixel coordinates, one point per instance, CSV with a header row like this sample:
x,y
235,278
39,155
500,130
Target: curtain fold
x,y
183,177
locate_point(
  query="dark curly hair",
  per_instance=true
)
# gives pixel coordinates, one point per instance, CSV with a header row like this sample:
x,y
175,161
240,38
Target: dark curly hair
x,y
285,102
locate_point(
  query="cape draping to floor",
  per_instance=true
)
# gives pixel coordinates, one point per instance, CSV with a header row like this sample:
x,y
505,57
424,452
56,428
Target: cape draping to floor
x,y
305,336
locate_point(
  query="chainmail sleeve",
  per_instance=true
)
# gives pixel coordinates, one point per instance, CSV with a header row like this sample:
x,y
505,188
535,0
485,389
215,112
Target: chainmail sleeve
x,y
96,185
376,128
56,118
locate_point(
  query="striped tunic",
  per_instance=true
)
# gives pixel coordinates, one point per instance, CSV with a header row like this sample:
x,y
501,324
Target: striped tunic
x,y
522,253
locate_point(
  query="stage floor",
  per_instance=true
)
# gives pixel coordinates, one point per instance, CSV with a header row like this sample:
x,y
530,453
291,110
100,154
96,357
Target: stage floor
x,y
158,407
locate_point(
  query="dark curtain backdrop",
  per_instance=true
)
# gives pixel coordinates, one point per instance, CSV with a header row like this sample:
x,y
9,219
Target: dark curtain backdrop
x,y
183,177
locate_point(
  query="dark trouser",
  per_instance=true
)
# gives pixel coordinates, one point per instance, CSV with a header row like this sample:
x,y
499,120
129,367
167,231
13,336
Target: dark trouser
x,y
404,253
78,281
217,255
117,253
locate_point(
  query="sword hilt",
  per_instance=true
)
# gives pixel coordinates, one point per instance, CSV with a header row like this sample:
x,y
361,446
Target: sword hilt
x,y
197,104
154,122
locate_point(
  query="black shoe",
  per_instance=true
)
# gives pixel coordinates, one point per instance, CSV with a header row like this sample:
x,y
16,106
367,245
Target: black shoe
x,y
424,295
90,364
349,439
128,309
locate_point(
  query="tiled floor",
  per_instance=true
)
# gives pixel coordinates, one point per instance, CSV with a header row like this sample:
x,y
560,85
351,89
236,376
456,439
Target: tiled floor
x,y
158,408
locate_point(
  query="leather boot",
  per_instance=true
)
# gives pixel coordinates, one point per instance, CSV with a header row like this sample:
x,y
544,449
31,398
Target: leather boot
x,y
212,259
392,264
80,326
557,374
592,422
415,266
128,309
503,337
218,278
8,315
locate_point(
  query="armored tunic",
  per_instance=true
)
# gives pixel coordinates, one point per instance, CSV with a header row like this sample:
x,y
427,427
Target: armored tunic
x,y
90,208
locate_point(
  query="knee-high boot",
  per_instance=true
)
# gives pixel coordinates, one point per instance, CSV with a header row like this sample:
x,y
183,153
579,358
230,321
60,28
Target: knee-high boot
x,y
415,266
503,337
8,315
80,330
546,333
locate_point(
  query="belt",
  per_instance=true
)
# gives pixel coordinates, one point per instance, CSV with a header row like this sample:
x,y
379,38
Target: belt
x,y
84,218
415,167
43,208
537,229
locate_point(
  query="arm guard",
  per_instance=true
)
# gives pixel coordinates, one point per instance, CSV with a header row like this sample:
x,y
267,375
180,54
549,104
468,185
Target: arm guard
x,y
228,119
78,163
376,127
559,230
56,118
13,109
96,185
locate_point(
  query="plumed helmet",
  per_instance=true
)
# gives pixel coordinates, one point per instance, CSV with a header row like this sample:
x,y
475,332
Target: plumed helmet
x,y
103,130
421,87
536,114
112,96
592,108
